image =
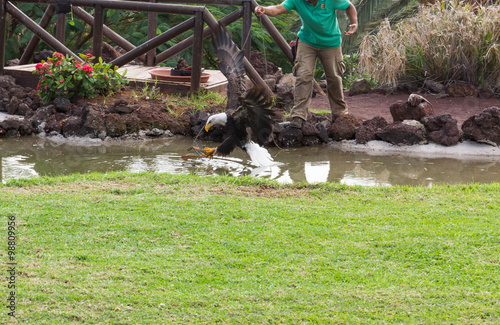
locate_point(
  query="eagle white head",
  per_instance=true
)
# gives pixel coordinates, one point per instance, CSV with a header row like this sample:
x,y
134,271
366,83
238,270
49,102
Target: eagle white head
x,y
220,118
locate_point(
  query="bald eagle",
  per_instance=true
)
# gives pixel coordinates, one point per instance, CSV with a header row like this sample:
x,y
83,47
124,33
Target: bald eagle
x,y
247,118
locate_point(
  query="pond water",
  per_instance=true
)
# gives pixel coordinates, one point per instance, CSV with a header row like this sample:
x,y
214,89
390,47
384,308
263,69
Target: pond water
x,y
347,164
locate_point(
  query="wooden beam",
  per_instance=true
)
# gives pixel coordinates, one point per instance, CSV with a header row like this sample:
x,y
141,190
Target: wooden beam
x,y
108,32
40,32
155,42
30,48
188,42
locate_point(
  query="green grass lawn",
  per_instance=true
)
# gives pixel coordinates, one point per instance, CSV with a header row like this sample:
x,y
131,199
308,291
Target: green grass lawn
x,y
157,248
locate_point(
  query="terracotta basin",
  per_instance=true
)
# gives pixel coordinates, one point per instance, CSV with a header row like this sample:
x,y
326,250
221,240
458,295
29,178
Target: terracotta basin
x,y
164,74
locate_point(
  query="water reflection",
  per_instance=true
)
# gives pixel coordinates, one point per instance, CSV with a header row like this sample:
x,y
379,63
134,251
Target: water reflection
x,y
34,156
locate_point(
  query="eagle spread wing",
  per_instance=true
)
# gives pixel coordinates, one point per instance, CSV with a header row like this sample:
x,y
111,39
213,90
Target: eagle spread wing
x,y
230,62
248,117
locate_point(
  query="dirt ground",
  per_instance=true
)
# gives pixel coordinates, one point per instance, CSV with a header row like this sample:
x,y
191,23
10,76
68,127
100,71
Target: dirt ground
x,y
365,107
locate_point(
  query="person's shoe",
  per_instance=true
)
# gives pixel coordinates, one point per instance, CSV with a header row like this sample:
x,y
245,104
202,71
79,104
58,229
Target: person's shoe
x,y
297,123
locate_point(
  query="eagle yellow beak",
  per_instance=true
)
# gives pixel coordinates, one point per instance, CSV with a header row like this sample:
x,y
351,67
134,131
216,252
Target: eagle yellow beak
x,y
208,126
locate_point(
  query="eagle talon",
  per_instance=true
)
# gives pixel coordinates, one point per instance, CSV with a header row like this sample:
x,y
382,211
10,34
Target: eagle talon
x,y
206,152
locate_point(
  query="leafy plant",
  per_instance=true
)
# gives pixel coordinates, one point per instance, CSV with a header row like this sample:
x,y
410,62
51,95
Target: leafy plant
x,y
448,41
62,76
149,93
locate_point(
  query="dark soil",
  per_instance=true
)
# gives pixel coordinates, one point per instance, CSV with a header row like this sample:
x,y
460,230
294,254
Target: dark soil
x,y
366,107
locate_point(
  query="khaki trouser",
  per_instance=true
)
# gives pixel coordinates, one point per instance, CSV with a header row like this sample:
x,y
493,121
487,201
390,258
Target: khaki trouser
x,y
305,64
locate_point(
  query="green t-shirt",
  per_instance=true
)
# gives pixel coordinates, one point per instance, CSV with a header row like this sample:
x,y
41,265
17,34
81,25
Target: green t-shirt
x,y
320,27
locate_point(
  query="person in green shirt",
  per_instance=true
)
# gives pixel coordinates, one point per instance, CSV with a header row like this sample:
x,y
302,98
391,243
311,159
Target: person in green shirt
x,y
319,37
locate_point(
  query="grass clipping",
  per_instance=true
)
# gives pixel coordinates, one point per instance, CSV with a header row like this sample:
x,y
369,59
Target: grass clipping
x,y
448,41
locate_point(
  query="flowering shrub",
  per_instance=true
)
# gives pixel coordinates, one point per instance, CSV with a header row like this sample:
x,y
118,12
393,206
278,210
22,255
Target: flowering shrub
x,y
62,76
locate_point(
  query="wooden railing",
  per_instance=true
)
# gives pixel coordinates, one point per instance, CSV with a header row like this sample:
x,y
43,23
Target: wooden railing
x,y
145,52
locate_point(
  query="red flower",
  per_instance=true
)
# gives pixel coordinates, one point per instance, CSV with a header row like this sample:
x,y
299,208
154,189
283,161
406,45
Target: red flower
x,y
58,55
38,66
49,72
78,65
58,62
90,75
90,55
87,68
61,81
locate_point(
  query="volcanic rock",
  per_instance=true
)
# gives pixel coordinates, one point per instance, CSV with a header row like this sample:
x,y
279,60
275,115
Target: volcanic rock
x,y
16,127
264,68
18,92
290,136
407,87
462,90
62,105
442,129
359,87
7,81
433,86
13,62
310,140
94,123
72,127
368,130
483,127
115,125
132,122
121,106
42,56
23,109
485,93
414,108
41,115
55,122
401,134
344,127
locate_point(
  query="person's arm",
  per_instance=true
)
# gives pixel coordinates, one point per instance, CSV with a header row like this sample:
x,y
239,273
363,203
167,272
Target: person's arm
x,y
271,11
352,14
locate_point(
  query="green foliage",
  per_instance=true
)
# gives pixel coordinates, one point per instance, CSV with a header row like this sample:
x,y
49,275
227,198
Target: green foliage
x,y
448,41
370,14
62,76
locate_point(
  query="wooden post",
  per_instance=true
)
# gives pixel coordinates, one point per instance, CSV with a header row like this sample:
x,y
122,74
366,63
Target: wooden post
x,y
197,52
98,27
61,28
152,25
3,33
246,30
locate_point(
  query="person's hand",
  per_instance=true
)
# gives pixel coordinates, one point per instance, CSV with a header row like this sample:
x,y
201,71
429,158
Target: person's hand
x,y
259,11
352,29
